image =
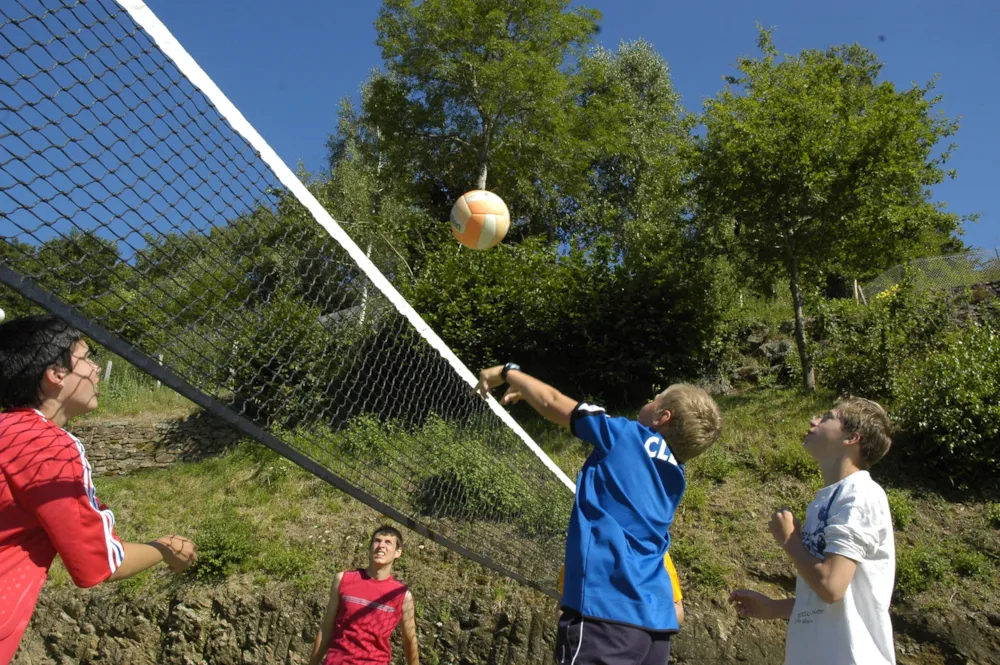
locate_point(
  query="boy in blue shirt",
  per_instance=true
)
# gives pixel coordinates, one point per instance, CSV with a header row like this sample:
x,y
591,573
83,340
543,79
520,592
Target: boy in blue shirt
x,y
617,602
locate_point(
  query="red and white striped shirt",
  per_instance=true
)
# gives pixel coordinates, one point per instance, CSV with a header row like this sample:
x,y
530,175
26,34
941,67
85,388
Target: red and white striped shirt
x,y
48,506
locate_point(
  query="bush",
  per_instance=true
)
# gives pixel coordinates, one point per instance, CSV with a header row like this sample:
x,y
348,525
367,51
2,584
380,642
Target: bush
x,y
949,406
580,315
476,477
901,508
919,568
468,486
286,561
368,438
970,563
862,348
226,542
993,515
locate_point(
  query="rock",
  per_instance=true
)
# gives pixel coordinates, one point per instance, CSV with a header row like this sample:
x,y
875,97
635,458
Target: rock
x,y
239,623
775,351
757,335
715,385
746,374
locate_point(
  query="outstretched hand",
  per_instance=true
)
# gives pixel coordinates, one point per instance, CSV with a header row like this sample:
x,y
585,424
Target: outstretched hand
x,y
510,397
178,552
752,604
489,379
492,377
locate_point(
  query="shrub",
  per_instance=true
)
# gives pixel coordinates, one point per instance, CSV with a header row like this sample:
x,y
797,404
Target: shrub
x,y
901,508
226,541
468,486
368,438
285,561
993,515
968,562
949,406
918,568
862,348
476,476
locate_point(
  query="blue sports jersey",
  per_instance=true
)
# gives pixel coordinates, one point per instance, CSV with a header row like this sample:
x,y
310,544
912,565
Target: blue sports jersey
x,y
626,495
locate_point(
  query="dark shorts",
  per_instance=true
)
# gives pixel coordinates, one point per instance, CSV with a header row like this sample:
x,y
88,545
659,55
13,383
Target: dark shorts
x,y
582,641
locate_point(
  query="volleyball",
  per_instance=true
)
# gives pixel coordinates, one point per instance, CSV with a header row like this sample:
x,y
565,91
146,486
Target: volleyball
x,y
479,219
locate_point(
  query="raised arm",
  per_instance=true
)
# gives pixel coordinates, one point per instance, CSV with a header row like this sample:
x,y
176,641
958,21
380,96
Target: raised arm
x,y
409,632
543,398
326,628
829,577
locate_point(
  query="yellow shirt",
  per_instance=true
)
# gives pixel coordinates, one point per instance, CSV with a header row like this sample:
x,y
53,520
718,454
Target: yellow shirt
x,y
667,563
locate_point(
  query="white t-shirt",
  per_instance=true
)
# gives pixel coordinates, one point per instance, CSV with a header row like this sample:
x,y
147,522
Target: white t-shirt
x,y
850,518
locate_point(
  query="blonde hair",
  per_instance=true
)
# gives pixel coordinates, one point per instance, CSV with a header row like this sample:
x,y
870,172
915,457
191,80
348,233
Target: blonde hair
x,y
695,420
867,418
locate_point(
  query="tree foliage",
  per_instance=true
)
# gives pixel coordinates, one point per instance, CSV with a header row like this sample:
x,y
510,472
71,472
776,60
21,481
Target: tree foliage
x,y
473,91
810,164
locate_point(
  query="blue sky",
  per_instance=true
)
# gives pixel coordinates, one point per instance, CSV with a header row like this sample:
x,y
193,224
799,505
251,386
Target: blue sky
x,y
286,68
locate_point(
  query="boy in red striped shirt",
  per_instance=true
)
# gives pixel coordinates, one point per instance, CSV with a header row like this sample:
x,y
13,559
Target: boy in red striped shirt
x,y
48,504
365,606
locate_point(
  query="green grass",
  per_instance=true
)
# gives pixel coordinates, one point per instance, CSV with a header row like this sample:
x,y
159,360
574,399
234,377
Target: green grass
x,y
248,511
770,311
129,392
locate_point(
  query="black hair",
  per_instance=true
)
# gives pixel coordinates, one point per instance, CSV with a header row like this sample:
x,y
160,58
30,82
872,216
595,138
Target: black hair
x,y
386,530
29,346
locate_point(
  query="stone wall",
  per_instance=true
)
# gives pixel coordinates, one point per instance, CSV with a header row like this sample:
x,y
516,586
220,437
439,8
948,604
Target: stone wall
x,y
121,446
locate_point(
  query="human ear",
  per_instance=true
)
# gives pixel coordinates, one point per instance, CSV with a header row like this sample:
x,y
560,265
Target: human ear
x,y
54,374
662,419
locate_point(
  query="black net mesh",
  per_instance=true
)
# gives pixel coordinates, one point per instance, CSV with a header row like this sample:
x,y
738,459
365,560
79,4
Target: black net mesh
x,y
131,202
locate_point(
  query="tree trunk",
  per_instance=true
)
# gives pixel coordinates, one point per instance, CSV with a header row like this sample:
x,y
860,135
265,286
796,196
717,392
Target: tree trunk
x,y
364,293
808,375
481,181
484,151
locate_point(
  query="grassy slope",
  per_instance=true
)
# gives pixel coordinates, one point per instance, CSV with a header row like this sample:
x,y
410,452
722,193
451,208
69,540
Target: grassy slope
x,y
256,514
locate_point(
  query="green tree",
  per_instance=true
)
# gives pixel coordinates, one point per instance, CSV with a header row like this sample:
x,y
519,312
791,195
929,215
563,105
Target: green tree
x,y
811,165
79,267
376,204
20,257
477,89
638,140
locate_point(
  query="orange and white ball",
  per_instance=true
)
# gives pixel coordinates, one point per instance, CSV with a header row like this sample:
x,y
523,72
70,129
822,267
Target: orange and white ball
x,y
479,219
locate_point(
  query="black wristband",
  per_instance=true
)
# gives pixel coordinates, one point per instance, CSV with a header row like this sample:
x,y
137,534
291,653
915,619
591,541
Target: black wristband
x,y
507,368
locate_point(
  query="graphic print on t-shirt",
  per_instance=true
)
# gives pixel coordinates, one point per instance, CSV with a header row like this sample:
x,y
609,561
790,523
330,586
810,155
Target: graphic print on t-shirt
x,y
815,540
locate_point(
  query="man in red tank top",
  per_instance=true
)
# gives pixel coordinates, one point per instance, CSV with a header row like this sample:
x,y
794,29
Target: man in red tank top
x,y
365,606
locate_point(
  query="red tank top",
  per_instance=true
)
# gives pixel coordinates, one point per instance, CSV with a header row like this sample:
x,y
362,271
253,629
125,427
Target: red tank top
x,y
368,613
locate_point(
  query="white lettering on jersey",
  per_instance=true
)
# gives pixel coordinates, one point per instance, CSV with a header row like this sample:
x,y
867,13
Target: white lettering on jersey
x,y
660,453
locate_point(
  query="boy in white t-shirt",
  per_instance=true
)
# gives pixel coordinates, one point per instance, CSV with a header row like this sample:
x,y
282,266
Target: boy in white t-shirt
x,y
844,553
